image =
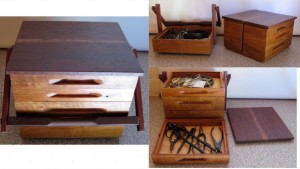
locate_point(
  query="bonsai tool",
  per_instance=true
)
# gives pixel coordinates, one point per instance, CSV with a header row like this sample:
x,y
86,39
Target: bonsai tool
x,y
201,134
218,144
192,131
178,132
173,138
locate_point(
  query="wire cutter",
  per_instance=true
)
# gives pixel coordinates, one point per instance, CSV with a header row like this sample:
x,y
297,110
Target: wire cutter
x,y
218,144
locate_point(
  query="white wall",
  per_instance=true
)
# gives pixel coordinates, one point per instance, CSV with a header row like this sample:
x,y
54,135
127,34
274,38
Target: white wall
x,y
261,83
194,10
134,28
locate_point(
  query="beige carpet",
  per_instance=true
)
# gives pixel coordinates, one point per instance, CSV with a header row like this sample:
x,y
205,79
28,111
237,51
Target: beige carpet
x,y
221,57
131,136
281,154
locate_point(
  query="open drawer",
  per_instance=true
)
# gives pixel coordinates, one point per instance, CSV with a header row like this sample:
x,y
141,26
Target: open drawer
x,y
201,41
163,155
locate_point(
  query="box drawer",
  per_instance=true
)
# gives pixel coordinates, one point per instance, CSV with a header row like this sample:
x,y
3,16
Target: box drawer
x,y
233,33
194,103
185,46
52,107
73,82
217,89
73,95
163,155
281,28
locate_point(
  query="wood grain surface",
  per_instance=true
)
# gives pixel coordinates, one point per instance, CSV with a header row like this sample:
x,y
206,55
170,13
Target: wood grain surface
x,y
257,124
41,107
72,132
26,82
72,47
259,18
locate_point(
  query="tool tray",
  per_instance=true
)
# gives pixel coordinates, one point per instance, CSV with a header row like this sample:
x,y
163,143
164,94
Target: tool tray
x,y
186,46
189,117
195,102
163,155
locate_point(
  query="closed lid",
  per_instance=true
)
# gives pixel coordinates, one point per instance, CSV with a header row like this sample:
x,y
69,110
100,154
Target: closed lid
x,y
47,47
259,18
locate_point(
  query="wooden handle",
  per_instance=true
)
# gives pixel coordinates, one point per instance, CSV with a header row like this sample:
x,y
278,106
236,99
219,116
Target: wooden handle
x,y
280,28
282,35
282,43
193,159
89,95
199,102
202,92
75,82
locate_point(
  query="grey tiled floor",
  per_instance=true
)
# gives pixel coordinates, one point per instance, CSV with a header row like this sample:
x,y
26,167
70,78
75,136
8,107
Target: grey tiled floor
x,y
131,136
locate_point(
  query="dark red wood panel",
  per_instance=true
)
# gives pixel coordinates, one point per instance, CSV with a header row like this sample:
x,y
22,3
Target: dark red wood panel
x,y
45,47
257,124
259,18
45,31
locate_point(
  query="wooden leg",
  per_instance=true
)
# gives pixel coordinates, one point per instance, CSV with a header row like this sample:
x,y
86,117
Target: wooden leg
x,y
6,96
138,102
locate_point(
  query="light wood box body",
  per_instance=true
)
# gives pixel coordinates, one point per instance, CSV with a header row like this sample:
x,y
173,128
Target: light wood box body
x,y
195,102
33,94
184,46
163,155
256,40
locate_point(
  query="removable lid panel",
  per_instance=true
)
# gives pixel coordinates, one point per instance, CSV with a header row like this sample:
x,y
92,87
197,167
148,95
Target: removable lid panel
x,y
259,18
257,124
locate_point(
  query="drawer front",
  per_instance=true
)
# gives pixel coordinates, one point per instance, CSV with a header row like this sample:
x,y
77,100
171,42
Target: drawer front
x,y
233,35
73,95
277,47
72,132
67,107
280,31
194,103
73,82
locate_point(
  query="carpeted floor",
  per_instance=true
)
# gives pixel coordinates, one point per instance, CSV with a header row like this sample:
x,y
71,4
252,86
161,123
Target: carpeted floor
x,y
279,154
131,136
221,57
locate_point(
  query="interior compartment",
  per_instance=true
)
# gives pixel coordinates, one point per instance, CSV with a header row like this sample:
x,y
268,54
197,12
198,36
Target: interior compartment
x,y
217,77
163,155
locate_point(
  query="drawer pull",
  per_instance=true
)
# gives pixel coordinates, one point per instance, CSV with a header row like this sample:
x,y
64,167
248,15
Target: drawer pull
x,y
277,46
282,35
89,95
202,92
199,102
280,28
193,159
75,82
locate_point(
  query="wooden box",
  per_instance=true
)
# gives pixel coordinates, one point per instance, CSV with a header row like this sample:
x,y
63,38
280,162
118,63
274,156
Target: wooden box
x,y
257,34
191,116
185,46
72,69
195,102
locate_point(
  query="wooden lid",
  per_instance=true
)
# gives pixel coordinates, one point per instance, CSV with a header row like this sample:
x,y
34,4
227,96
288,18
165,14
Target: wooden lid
x,y
72,48
257,124
259,18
